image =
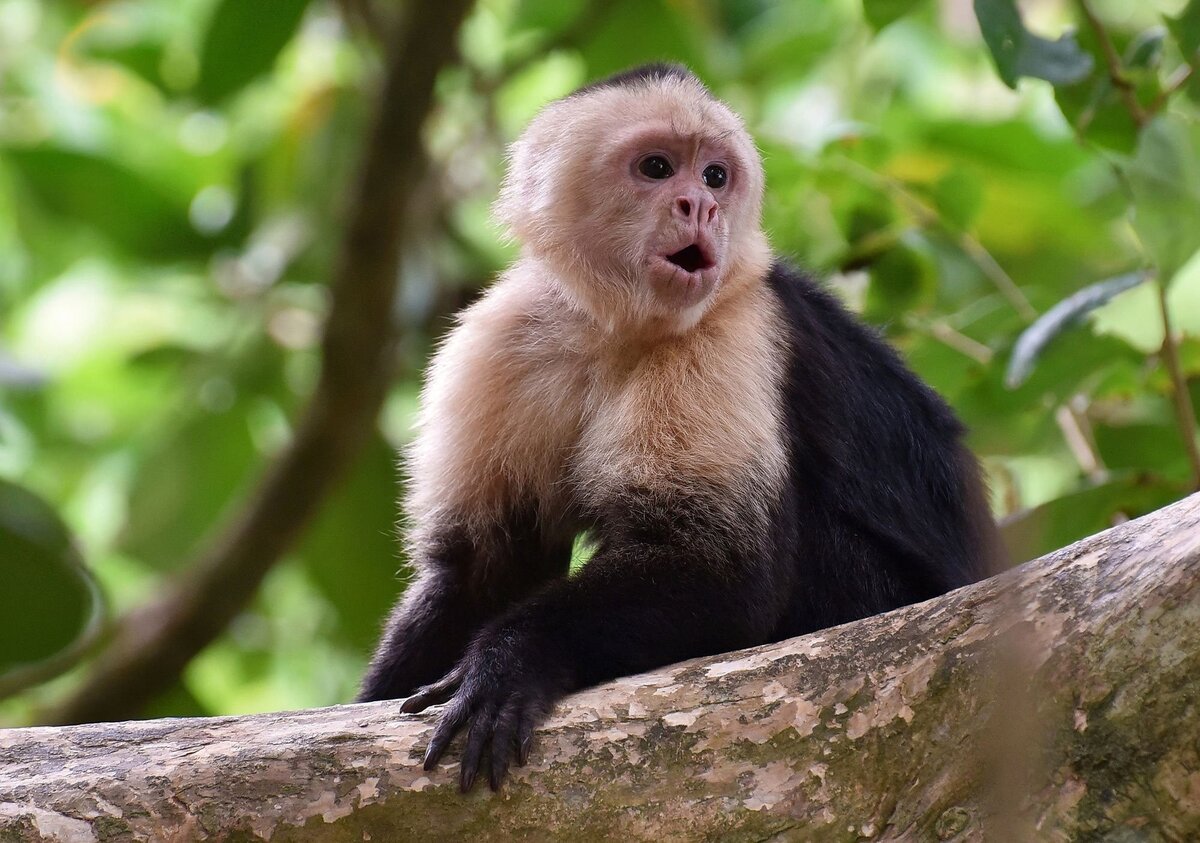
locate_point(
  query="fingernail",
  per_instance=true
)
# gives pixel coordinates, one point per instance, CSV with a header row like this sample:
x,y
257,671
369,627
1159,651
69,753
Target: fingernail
x,y
468,779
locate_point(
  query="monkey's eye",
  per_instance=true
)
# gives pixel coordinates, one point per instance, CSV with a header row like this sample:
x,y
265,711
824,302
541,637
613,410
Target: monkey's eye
x,y
655,167
714,176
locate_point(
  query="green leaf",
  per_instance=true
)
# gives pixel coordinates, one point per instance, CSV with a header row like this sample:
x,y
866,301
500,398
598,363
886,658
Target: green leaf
x,y
958,196
243,40
638,31
110,199
142,59
1018,52
546,15
1164,177
1185,29
352,552
1012,421
881,13
1068,312
50,607
899,278
790,39
1145,51
1144,447
1089,510
738,15
196,471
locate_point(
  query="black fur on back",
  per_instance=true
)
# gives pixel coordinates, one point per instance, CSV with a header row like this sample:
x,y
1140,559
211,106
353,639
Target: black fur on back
x,y
885,505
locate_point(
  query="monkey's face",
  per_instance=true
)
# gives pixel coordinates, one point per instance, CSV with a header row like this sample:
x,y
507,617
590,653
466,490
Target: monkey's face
x,y
670,197
643,201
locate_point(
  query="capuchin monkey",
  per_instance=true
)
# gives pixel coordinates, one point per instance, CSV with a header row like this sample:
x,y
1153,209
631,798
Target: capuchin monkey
x,y
750,462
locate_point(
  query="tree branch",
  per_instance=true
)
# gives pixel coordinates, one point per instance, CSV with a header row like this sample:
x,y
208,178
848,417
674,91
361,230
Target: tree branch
x,y
153,644
1056,701
1172,86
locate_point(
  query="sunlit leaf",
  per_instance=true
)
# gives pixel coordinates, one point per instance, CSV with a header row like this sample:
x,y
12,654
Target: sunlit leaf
x,y
49,604
243,40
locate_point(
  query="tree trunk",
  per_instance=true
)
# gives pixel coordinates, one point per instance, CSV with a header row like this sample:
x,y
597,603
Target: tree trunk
x,y
1058,701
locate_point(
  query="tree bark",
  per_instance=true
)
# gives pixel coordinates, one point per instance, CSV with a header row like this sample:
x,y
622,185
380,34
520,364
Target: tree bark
x,y
1057,701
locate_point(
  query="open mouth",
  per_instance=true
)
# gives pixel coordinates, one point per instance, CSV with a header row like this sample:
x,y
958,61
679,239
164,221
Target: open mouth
x,y
690,259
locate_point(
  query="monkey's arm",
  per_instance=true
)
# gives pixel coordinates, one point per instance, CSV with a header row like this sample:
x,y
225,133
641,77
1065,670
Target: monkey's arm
x,y
464,582
671,579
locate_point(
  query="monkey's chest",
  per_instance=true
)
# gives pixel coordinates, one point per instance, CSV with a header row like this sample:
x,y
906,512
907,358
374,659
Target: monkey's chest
x,y
587,438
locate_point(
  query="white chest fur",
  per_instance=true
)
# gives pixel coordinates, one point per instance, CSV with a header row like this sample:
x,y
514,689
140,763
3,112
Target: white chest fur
x,y
525,406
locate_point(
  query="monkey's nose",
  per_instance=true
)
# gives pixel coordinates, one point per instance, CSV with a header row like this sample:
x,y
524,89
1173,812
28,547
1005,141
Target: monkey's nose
x,y
695,207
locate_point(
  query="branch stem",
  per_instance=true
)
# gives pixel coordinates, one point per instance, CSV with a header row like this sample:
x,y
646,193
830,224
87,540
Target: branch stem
x,y
1185,413
1116,71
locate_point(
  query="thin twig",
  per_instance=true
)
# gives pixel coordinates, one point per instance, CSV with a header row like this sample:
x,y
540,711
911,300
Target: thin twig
x,y
1116,72
1072,424
1185,413
945,333
1173,85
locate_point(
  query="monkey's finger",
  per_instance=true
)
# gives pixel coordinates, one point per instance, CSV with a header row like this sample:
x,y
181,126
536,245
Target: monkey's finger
x,y
450,723
434,694
482,723
503,735
527,721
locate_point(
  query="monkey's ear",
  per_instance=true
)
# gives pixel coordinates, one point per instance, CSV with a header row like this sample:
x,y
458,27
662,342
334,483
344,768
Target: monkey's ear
x,y
527,193
511,205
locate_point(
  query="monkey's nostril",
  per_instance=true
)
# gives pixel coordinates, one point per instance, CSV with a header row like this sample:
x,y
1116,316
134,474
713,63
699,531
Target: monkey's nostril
x,y
685,207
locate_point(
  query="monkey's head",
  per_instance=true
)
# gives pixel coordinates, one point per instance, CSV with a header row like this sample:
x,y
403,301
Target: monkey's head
x,y
642,193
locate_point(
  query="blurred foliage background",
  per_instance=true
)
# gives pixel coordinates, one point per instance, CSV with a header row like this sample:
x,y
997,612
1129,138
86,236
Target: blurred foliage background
x,y
1015,208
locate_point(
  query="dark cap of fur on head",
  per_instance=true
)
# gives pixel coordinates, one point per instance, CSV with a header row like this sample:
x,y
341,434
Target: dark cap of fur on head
x,y
654,72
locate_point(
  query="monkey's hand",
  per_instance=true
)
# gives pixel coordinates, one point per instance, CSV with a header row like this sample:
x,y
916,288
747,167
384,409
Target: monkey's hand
x,y
501,691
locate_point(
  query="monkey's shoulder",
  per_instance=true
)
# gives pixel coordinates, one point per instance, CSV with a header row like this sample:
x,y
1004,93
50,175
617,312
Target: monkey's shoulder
x,y
845,364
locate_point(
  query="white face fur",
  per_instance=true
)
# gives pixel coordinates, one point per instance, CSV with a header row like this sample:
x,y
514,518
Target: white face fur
x,y
643,200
